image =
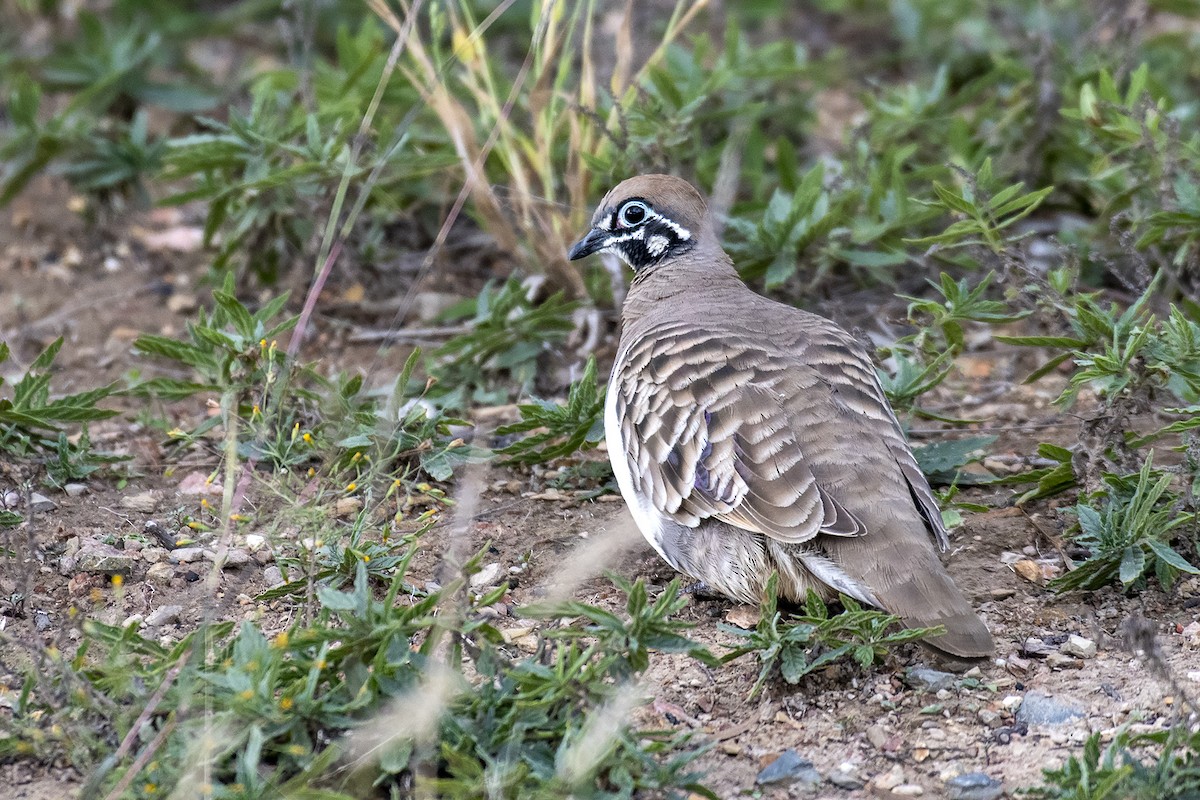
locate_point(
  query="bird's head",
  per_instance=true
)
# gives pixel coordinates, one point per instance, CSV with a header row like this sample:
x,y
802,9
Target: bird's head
x,y
645,221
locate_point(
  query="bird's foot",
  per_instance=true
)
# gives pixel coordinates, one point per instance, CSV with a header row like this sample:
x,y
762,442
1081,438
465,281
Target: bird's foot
x,y
702,591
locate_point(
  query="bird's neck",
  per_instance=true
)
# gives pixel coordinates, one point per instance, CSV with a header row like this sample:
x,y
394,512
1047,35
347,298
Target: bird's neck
x,y
680,284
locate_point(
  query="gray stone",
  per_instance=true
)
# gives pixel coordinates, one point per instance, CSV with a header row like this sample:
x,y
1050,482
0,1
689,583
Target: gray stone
x,y
1079,647
845,776
1040,709
40,504
145,502
152,554
273,576
973,786
486,576
41,621
187,555
160,573
929,679
75,489
234,557
163,615
790,767
99,557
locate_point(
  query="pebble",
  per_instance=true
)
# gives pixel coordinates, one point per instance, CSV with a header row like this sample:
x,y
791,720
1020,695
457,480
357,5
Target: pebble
x,y
234,557
75,489
877,736
187,555
973,786
133,621
789,766
144,502
40,504
41,621
890,779
989,718
1041,709
160,573
255,541
264,556
845,776
153,555
929,679
347,506
1079,647
511,635
273,576
1003,593
908,790
1061,661
163,615
486,576
103,558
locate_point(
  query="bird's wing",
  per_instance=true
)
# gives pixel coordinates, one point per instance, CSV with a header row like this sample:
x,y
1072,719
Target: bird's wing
x,y
708,434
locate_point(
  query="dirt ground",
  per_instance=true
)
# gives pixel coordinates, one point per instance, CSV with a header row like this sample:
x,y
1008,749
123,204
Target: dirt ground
x,y
870,733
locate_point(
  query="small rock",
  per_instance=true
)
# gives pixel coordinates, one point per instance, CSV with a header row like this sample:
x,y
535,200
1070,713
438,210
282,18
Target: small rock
x,y
1061,661
11,499
273,576
234,557
187,555
877,736
255,541
973,786
789,766
1040,709
347,506
890,779
1079,647
40,504
160,573
845,776
510,635
264,556
144,502
103,558
991,719
486,576
152,555
41,621
75,489
1034,646
731,748
132,621
743,616
163,615
931,680
1028,569
908,790
1003,593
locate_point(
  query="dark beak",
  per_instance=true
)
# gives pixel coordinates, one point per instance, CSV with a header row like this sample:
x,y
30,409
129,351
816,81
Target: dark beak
x,y
587,245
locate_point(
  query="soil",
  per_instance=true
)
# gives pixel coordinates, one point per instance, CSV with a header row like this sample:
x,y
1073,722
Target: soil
x,y
878,728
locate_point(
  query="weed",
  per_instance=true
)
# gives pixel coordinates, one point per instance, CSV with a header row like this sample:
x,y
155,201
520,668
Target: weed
x,y
560,429
1130,535
32,422
799,644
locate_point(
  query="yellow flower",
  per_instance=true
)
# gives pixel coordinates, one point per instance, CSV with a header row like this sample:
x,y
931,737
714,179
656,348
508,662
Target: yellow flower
x,y
118,581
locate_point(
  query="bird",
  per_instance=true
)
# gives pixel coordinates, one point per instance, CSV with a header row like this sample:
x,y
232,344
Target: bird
x,y
749,437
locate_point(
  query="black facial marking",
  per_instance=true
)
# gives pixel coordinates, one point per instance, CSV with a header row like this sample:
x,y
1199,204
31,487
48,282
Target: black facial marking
x,y
644,236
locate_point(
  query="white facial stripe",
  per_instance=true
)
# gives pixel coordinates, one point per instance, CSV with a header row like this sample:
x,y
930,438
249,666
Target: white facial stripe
x,y
637,233
682,233
657,245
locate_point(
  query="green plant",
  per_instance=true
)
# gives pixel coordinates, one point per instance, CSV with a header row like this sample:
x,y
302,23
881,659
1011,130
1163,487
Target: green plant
x,y
1130,535
508,333
32,422
799,644
370,693
560,429
1160,765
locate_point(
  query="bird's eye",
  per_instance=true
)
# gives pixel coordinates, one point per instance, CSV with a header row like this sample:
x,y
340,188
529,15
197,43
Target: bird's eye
x,y
633,214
